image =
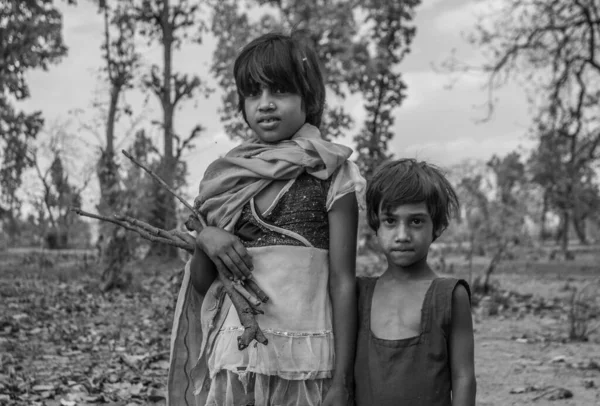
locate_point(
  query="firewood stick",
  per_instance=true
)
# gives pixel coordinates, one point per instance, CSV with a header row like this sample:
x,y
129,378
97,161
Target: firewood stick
x,y
253,286
247,293
250,290
144,234
159,232
246,314
184,237
167,187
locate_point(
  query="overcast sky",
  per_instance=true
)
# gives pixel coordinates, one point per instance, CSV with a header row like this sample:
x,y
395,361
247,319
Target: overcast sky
x,y
434,123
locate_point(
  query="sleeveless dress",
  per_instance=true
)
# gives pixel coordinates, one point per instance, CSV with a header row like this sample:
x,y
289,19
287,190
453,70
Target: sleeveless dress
x,y
408,371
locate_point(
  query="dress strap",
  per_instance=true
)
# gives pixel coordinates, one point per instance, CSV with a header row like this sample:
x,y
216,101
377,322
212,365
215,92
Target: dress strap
x,y
365,288
276,229
441,301
427,307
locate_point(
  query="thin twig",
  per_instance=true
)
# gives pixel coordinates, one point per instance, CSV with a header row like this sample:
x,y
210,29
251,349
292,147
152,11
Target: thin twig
x,y
183,236
167,187
143,233
159,232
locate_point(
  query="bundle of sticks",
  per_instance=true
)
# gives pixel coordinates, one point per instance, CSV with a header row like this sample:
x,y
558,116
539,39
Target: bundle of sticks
x,y
245,296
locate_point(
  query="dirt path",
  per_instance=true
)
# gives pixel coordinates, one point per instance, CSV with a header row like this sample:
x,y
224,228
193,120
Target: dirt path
x,y
64,343
506,362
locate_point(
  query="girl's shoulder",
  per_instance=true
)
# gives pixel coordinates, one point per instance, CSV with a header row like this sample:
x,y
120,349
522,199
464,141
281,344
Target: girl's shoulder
x,y
347,179
444,288
440,303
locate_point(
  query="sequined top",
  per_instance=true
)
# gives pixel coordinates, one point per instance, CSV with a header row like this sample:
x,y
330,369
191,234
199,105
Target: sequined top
x,y
302,209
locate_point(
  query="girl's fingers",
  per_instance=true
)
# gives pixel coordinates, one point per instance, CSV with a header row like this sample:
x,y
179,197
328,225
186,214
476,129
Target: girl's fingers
x,y
222,269
232,265
244,260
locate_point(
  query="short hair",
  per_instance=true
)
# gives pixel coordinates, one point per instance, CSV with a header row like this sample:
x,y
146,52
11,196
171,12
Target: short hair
x,y
407,181
285,62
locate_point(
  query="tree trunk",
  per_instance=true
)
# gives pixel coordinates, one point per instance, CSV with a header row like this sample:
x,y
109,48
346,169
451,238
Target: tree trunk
x,y
543,231
165,202
114,251
579,227
116,254
564,243
492,266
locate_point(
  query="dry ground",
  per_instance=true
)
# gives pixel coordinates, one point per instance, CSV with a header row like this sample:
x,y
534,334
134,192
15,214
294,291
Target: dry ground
x,y
62,342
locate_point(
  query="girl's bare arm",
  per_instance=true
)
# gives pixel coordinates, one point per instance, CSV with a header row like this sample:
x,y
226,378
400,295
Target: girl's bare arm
x,y
343,224
202,271
462,364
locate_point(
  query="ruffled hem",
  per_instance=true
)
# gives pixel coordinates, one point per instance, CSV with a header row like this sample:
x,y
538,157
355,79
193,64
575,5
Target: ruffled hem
x,y
289,355
233,389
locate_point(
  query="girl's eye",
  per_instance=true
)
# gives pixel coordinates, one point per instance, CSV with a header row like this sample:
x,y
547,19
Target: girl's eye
x,y
389,221
279,90
417,222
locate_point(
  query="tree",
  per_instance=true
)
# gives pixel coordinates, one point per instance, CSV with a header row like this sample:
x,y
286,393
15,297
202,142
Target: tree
x,y
122,62
569,184
169,24
354,59
30,38
495,205
381,83
53,161
552,47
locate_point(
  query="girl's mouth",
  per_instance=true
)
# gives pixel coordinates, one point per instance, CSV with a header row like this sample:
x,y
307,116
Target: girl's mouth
x,y
268,123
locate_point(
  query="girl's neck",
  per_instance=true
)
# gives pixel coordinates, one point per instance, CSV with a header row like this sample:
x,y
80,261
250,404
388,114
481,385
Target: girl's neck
x,y
417,271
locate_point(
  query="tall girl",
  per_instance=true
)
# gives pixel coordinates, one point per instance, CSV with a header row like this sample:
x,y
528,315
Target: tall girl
x,y
282,208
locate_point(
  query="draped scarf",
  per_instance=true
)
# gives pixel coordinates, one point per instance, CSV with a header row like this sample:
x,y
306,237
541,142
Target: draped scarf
x,y
231,181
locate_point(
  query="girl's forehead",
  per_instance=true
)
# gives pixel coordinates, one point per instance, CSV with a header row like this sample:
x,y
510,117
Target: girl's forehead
x,y
404,209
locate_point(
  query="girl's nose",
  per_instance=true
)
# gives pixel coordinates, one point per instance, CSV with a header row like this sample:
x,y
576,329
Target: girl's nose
x,y
266,101
402,233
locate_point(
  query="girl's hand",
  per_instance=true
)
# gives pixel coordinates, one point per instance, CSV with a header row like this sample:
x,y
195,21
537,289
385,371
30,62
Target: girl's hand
x,y
226,251
338,395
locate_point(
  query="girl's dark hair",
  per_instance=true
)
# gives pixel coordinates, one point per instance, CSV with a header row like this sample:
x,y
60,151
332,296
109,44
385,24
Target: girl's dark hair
x,y
407,181
284,62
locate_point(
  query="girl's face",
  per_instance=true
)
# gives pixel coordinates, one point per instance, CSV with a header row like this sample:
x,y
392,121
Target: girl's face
x,y
275,115
405,234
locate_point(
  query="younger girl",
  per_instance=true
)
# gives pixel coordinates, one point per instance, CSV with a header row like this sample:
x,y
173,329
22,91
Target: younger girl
x,y
284,206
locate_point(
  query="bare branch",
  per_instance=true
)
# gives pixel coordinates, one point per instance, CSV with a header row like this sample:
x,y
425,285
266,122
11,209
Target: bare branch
x,y
163,183
184,86
195,132
143,233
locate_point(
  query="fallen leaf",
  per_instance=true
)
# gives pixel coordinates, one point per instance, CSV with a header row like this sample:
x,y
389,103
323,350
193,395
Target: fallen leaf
x,y
42,388
561,393
589,383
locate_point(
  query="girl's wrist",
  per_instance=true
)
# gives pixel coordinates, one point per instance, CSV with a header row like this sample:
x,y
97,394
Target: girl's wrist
x,y
200,238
